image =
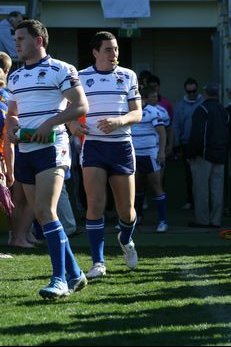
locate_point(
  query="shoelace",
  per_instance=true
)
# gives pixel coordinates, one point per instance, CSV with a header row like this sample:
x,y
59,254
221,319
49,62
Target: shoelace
x,y
54,283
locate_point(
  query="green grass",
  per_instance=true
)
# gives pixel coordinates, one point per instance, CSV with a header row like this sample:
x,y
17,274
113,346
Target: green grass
x,y
180,295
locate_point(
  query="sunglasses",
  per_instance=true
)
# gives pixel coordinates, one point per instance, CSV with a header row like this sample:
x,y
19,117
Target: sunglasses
x,y
193,91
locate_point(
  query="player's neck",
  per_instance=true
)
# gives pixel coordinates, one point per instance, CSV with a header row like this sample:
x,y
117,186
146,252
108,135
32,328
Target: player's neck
x,y
36,58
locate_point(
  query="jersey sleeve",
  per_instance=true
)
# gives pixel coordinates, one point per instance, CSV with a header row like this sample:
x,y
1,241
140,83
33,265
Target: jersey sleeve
x,y
133,93
69,77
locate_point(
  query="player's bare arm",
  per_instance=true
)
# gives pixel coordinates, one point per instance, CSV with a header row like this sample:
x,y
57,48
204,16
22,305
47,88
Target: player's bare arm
x,y
77,128
12,122
78,106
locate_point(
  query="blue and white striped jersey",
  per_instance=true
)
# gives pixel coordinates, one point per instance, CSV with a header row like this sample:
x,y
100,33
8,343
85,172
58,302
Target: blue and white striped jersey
x,y
144,136
108,94
164,114
38,90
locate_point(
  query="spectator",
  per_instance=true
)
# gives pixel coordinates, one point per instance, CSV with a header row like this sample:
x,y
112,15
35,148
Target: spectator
x,y
208,144
182,122
7,30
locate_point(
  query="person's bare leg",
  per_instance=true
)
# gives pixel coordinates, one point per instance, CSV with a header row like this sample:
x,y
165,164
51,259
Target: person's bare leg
x,y
22,218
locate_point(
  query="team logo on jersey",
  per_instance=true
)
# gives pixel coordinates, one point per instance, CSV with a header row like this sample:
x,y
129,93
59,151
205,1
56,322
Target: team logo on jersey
x,y
90,82
119,83
15,79
104,80
41,77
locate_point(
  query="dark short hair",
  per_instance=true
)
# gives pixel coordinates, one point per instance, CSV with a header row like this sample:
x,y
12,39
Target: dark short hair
x,y
154,79
14,14
145,74
147,91
190,80
211,88
35,28
99,37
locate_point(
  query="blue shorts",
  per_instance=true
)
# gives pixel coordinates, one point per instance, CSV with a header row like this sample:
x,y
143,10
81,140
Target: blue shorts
x,y
117,158
146,164
28,165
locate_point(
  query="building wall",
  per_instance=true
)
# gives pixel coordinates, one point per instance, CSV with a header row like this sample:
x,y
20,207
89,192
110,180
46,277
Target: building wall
x,y
176,40
164,14
172,54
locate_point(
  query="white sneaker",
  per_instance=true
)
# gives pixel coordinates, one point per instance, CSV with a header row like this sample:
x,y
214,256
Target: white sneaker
x,y
55,289
97,270
130,254
162,227
77,284
4,255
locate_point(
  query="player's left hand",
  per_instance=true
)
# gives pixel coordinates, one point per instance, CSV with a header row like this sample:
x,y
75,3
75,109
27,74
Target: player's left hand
x,y
109,124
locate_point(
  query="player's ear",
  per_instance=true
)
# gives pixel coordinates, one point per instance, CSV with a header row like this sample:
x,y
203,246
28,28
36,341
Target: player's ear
x,y
39,40
94,52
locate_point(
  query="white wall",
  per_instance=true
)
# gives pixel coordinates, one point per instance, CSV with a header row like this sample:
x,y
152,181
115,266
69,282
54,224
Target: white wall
x,y
164,14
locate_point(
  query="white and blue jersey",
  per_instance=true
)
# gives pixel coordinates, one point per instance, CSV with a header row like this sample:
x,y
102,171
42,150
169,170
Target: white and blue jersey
x,y
108,94
38,91
164,115
144,136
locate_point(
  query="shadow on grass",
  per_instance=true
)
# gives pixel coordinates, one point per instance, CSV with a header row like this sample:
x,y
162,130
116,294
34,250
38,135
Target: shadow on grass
x,y
187,305
151,327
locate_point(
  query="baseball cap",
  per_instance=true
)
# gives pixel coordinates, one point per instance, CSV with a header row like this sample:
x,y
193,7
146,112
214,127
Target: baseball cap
x,y
211,88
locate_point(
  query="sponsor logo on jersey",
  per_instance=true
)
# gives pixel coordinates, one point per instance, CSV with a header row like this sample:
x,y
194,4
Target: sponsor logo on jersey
x,y
27,75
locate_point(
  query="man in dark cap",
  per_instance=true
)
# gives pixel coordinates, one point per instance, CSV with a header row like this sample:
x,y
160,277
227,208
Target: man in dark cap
x,y
208,145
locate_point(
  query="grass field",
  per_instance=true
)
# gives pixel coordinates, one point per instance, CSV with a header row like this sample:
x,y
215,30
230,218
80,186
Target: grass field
x,y
180,295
